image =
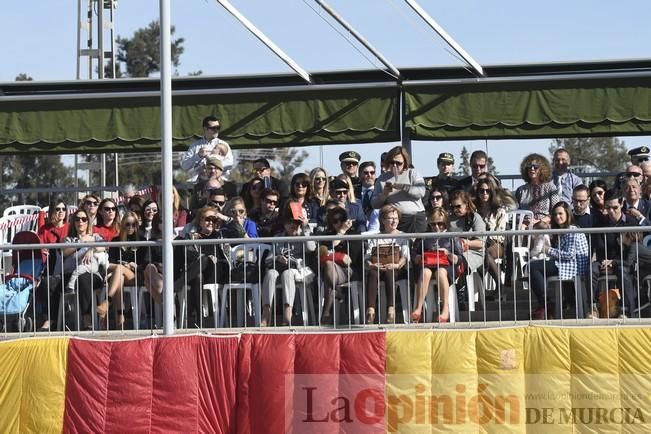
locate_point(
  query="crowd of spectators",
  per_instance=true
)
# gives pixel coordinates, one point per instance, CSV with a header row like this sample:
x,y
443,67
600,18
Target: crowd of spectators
x,y
388,197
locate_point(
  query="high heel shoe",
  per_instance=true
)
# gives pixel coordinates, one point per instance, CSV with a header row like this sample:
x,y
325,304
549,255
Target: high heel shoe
x,y
120,320
391,315
443,319
370,315
415,316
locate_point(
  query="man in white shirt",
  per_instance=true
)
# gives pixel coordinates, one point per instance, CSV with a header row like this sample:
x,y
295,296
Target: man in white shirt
x,y
194,158
564,180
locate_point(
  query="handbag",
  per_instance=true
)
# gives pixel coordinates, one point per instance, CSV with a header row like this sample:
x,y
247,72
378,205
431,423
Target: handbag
x,y
437,258
386,254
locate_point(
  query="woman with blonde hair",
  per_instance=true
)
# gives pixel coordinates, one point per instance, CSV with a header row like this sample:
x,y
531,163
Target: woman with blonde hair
x,y
319,184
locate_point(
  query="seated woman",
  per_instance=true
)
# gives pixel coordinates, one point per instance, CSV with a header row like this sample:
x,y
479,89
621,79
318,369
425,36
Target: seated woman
x,y
151,262
464,218
53,231
149,211
567,260
196,265
108,222
82,265
90,204
492,206
124,263
286,261
239,225
319,186
385,268
300,192
539,193
339,259
436,257
438,198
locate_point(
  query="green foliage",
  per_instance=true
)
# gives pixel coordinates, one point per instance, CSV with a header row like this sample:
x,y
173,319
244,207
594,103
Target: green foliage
x,y
464,164
491,167
33,171
289,159
23,77
141,53
603,153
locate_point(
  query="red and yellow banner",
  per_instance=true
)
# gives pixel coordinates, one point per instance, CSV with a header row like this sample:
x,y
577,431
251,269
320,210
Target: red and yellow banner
x,y
527,379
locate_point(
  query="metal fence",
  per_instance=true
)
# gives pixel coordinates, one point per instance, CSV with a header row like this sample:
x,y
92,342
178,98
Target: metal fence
x,y
245,283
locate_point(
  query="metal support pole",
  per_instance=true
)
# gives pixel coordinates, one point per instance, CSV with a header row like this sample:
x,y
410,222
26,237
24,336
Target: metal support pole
x,y
358,36
166,144
447,38
100,39
265,40
78,40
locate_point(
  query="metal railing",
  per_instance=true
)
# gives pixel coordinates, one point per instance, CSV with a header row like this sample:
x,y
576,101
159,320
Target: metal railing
x,y
218,285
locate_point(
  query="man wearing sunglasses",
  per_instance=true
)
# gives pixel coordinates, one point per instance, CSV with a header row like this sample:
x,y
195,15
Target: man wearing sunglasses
x,y
267,217
367,175
639,155
349,163
478,166
194,158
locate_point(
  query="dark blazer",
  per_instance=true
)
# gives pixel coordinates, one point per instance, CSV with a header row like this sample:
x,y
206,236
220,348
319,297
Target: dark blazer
x,y
644,206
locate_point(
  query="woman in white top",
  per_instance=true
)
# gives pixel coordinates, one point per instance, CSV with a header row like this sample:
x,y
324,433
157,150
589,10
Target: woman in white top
x,y
388,271
403,187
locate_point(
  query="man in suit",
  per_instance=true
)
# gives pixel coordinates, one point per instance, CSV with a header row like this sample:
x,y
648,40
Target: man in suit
x,y
478,166
635,207
367,177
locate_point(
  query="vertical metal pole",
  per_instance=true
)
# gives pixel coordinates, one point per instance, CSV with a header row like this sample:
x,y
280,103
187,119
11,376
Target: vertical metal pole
x,y
405,139
113,48
166,144
103,173
78,41
117,179
100,39
89,41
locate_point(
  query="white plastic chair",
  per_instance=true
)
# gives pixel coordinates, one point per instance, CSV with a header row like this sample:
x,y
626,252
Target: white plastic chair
x,y
253,252
21,210
520,243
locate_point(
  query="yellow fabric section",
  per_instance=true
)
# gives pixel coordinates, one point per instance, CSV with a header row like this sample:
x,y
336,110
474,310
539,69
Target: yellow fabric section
x,y
33,385
519,380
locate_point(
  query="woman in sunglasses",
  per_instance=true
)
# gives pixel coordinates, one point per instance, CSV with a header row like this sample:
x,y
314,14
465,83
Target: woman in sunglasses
x,y
149,211
598,189
196,265
300,193
108,221
239,225
319,186
436,258
90,204
492,204
124,262
539,193
437,198
403,187
82,267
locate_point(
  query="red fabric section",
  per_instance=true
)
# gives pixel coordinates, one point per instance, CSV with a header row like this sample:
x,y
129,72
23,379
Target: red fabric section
x,y
265,363
181,384
86,385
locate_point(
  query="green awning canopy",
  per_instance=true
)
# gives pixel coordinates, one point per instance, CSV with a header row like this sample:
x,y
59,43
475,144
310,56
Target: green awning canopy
x,y
523,101
131,122
529,109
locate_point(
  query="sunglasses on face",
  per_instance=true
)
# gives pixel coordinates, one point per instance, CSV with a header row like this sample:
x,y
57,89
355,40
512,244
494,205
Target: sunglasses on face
x,y
478,166
109,209
437,197
238,211
533,167
60,209
212,127
369,172
436,224
81,219
350,163
91,203
271,201
341,192
396,163
218,202
319,179
210,219
632,174
483,190
303,184
259,169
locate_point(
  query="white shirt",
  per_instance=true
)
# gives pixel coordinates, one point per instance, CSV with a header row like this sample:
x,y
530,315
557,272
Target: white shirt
x,y
192,162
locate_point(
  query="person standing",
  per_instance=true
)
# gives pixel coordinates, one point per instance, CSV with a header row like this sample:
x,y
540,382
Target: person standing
x,y
194,158
349,162
367,176
445,165
564,181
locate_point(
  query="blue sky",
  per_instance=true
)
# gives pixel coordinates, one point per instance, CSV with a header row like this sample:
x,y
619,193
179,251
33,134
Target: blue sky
x,y
43,44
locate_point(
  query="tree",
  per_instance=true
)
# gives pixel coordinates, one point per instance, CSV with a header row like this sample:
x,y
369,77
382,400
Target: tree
x,y
602,153
289,159
140,54
33,171
490,166
464,165
23,77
